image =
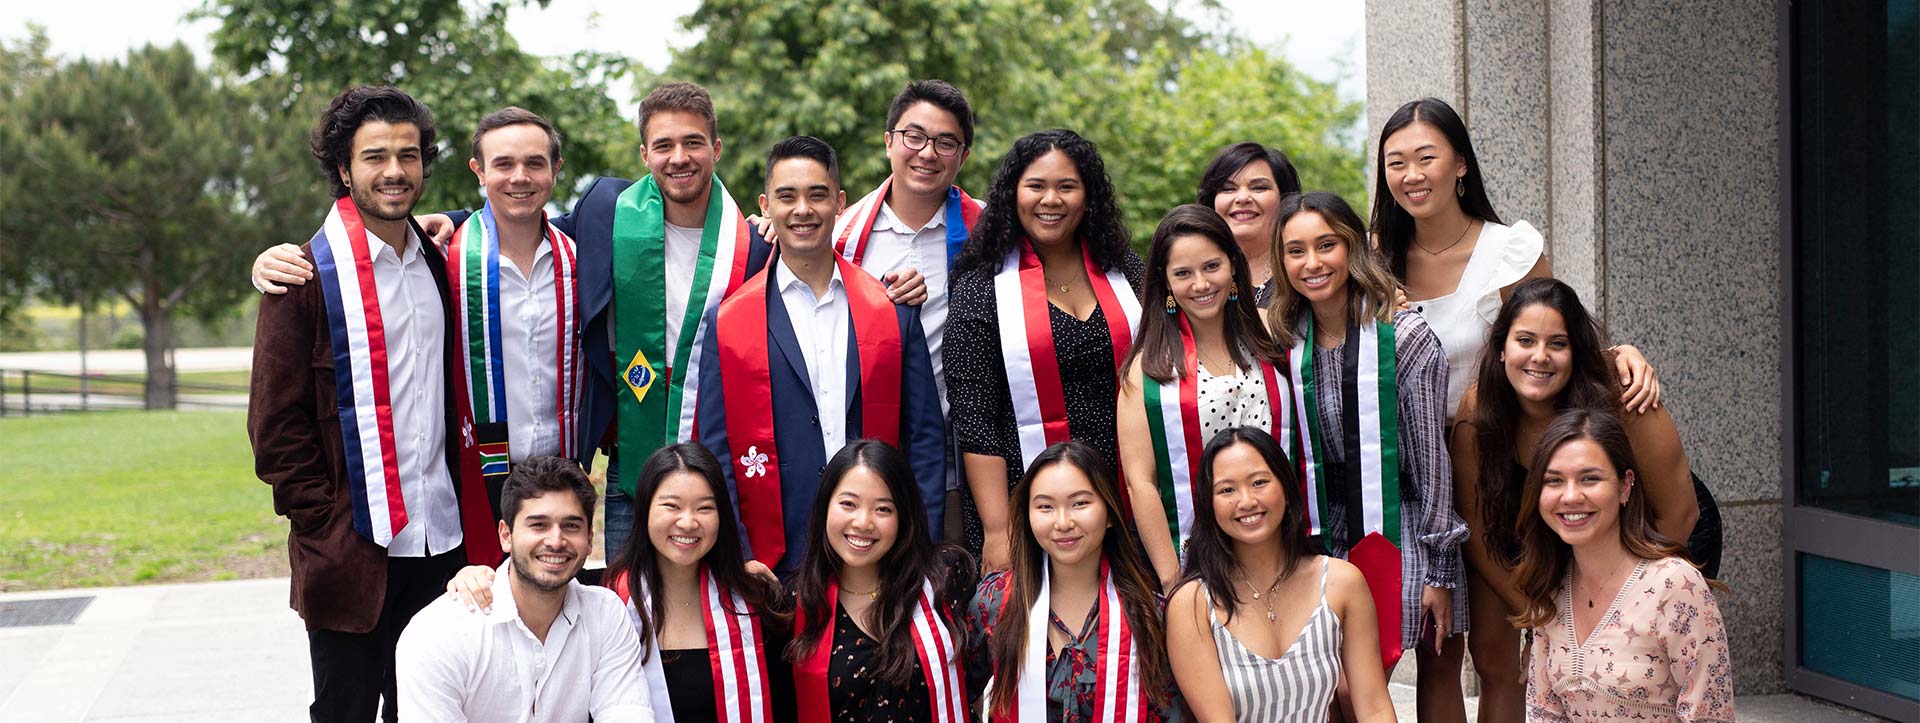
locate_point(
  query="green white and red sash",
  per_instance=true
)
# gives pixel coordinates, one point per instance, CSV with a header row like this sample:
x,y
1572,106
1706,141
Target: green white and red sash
x,y
1117,695
933,642
473,272
648,421
362,394
1367,479
1173,420
735,653
852,229
747,369
1026,341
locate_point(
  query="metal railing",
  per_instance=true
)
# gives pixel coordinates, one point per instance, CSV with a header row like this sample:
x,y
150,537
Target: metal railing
x,y
24,392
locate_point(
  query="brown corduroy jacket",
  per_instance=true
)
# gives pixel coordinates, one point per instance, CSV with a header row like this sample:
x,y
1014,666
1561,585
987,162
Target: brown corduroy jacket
x,y
293,420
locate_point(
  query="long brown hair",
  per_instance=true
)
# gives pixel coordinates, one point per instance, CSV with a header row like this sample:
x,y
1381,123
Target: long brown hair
x,y
1125,562
1543,555
1496,411
1369,286
1157,345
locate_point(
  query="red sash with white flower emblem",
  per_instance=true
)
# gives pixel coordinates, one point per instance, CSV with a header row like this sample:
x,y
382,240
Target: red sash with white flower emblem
x,y
747,370
933,642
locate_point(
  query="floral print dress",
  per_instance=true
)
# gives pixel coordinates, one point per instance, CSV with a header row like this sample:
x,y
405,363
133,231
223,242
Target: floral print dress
x,y
1071,671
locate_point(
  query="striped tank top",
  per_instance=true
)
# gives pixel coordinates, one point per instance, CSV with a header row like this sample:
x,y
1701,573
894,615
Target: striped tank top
x,y
1295,687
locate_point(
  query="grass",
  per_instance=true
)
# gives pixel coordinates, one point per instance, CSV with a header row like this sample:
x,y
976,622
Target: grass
x,y
117,498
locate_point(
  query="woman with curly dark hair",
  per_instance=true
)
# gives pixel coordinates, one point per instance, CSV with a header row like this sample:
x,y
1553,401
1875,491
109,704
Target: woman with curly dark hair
x,y
1042,311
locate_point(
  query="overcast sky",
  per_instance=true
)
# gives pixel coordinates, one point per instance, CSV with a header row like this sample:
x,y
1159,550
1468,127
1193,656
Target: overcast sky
x,y
1324,39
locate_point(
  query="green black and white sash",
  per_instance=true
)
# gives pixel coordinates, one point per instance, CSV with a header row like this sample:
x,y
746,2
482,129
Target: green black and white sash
x,y
1173,420
649,421
1367,480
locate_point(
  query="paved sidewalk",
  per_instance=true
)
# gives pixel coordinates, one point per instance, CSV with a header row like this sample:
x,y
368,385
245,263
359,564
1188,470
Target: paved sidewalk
x,y
232,651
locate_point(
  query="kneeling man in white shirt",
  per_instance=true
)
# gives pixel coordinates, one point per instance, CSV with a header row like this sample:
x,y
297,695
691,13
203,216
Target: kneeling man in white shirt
x,y
551,649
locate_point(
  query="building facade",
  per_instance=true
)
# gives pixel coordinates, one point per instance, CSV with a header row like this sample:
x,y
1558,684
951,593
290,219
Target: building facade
x,y
1730,184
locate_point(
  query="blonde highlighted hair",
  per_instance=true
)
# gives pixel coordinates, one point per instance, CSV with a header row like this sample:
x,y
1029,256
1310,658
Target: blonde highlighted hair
x,y
1370,286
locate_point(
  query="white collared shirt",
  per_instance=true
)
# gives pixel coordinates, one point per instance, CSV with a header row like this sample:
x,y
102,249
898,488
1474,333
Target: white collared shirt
x,y
410,315
893,246
820,325
683,259
452,664
528,314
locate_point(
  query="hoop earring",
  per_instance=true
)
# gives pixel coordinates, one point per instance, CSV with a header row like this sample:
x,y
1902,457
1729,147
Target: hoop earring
x,y
1460,187
1233,292
1172,308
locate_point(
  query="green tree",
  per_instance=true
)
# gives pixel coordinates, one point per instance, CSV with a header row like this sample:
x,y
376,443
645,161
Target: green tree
x,y
149,180
462,64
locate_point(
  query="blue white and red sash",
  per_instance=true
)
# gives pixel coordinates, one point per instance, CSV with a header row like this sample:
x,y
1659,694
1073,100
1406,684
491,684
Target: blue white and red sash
x,y
1117,695
854,225
735,653
1026,341
345,271
933,642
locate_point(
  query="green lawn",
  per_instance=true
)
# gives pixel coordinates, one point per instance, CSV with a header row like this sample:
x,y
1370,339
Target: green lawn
x,y
116,498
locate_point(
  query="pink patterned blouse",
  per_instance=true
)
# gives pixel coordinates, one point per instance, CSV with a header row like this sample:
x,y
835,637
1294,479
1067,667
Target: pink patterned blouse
x,y
1658,654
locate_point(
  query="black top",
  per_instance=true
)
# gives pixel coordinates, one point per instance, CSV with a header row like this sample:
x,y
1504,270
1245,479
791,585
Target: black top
x,y
689,676
978,401
854,694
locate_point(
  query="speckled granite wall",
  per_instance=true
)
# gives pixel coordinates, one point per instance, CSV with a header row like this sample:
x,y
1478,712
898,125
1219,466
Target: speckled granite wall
x,y
1691,107
1643,138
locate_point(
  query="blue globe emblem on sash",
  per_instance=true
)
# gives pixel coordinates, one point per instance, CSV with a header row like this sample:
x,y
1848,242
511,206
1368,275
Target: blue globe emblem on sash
x,y
639,375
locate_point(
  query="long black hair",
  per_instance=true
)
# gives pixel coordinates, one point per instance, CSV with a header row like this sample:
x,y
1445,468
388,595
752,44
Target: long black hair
x,y
1158,345
1496,408
912,559
725,561
1210,557
1103,228
1391,223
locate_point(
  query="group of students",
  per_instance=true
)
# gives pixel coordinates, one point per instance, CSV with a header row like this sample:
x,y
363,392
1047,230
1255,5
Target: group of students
x,y
1218,484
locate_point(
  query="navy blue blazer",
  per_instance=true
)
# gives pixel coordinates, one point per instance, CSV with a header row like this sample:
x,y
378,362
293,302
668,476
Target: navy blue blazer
x,y
796,421
590,225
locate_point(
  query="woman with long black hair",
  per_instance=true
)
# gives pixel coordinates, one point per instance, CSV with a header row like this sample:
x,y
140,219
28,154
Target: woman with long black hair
x,y
1042,311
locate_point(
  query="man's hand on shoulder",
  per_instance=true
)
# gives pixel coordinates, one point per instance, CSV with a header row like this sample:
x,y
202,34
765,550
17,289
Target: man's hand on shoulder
x,y
283,264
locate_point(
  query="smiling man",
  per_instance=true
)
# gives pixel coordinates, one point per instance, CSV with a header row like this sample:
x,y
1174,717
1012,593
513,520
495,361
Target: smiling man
x,y
551,648
811,353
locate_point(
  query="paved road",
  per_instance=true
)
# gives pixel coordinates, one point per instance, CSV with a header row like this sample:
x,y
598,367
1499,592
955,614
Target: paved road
x,y
232,651
130,361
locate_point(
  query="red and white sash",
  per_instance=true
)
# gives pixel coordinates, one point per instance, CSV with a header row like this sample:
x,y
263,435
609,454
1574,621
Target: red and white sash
x,y
855,225
747,369
362,394
1117,695
735,655
933,642
1026,341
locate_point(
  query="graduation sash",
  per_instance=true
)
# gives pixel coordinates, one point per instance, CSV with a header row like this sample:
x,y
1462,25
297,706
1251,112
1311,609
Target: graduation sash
x,y
1173,419
1117,694
933,642
735,655
1026,341
473,272
747,369
345,270
1367,480
646,420
851,229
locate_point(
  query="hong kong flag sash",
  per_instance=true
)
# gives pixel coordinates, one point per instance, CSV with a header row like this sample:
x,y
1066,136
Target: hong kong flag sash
x,y
851,229
1117,695
734,653
933,642
473,271
1026,341
362,396
1367,478
1173,419
747,369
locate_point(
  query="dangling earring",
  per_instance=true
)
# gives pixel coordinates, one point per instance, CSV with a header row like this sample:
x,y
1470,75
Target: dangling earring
x,y
1172,308
1233,292
1460,187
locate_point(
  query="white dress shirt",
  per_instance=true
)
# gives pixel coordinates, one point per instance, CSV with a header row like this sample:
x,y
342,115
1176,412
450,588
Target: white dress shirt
x,y
820,325
455,665
416,375
528,341
894,246
683,257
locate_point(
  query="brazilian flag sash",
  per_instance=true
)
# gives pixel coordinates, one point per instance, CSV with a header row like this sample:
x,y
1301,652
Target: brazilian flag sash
x,y
648,421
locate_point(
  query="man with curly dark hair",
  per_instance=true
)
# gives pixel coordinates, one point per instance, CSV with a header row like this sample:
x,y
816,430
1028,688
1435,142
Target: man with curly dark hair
x,y
351,407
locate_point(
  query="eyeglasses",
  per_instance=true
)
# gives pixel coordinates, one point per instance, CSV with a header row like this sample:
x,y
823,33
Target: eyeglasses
x,y
945,146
